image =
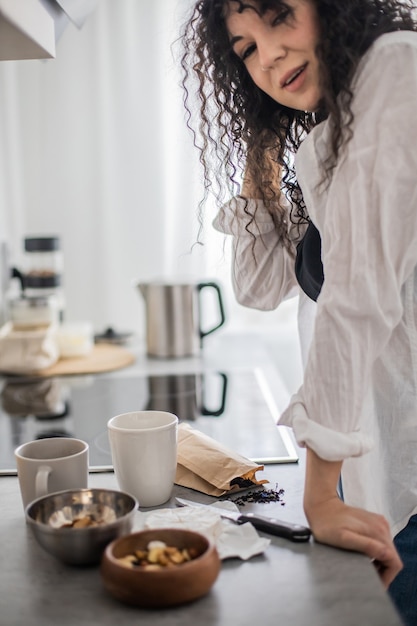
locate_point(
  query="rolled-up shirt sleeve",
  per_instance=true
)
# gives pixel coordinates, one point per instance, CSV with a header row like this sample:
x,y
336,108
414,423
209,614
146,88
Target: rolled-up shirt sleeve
x,y
367,219
262,267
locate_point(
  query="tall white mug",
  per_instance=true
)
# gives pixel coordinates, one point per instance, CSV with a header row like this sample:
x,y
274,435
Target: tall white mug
x,y
144,454
51,464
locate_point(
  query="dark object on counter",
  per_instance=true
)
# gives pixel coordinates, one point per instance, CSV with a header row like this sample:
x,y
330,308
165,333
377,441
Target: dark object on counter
x,y
112,336
242,483
270,525
259,496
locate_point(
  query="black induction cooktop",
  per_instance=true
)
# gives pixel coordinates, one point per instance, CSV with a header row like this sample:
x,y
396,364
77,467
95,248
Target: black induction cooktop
x,y
234,407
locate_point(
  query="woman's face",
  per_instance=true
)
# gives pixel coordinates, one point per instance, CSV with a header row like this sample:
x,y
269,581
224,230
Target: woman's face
x,y
278,50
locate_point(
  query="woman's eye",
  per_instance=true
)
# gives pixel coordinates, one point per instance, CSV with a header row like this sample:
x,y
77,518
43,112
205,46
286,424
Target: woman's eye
x,y
281,17
247,52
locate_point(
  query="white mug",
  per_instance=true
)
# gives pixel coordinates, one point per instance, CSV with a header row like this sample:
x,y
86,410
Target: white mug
x,y
144,453
53,464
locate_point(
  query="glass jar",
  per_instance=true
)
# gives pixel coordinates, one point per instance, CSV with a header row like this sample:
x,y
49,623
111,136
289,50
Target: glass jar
x,y
32,312
43,263
43,270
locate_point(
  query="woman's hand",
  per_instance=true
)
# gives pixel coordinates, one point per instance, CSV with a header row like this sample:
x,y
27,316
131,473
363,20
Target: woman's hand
x,y
342,526
336,524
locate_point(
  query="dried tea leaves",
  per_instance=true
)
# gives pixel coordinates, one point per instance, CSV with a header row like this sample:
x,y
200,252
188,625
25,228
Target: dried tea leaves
x,y
260,496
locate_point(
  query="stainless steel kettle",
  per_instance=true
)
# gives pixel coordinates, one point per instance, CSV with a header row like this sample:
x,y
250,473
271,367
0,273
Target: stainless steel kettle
x,y
173,317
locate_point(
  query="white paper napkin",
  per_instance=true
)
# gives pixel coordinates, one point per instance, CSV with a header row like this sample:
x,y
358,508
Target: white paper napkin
x,y
231,540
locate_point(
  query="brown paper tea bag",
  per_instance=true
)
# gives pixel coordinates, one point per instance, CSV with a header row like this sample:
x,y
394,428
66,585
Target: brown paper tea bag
x,y
207,466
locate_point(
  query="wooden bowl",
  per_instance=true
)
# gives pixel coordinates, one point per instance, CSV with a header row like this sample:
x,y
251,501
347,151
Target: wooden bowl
x,y
165,587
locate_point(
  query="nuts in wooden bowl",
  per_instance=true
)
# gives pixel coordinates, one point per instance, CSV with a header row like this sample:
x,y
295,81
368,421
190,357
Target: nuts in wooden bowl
x,y
160,567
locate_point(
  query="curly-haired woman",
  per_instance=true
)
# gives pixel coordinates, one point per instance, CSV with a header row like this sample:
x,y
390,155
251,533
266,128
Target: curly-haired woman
x,y
315,102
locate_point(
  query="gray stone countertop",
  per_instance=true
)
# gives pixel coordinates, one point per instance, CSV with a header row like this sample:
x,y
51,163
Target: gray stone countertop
x,y
289,584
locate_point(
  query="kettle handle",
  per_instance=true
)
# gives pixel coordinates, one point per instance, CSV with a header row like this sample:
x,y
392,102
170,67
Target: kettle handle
x,y
217,412
215,286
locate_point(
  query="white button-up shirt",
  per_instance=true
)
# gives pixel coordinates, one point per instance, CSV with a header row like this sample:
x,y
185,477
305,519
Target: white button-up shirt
x,y
358,401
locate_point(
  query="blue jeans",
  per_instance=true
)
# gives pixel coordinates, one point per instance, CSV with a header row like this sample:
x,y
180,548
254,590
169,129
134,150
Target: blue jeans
x,y
403,589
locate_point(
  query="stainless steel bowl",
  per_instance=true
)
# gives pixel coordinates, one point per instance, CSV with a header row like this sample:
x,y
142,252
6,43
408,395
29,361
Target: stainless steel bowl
x,y
51,518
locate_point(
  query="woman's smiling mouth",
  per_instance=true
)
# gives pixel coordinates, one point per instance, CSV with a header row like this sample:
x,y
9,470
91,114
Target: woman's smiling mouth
x,y
290,79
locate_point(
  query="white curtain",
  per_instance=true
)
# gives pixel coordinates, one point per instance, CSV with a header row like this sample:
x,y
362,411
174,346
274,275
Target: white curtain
x,y
94,148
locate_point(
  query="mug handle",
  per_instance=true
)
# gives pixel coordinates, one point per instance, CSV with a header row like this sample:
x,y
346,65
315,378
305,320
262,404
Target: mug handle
x,y
41,483
215,286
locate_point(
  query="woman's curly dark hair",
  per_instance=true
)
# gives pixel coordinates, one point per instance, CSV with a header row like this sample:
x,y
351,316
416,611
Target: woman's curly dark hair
x,y
237,119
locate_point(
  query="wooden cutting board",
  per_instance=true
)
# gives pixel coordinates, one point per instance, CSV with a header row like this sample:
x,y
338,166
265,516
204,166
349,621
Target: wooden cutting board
x,y
103,358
